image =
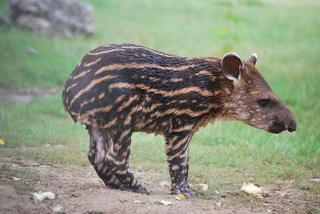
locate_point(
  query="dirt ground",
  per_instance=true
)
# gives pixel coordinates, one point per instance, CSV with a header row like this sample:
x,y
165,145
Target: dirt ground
x,y
79,190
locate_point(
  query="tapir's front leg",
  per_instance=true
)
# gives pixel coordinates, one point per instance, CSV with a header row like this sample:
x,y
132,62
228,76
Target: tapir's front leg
x,y
177,148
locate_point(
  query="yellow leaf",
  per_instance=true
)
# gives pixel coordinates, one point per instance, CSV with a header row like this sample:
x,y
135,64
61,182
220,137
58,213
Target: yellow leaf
x,y
2,142
180,196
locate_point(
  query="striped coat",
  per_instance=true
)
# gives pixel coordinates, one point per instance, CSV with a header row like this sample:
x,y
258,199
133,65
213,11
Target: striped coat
x,y
131,88
143,89
119,89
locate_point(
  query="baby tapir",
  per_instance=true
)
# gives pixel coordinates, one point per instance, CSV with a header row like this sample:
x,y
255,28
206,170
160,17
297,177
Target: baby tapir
x,y
119,89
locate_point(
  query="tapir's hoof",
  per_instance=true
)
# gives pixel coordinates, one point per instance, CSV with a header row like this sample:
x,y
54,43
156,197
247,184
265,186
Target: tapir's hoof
x,y
115,185
139,188
182,189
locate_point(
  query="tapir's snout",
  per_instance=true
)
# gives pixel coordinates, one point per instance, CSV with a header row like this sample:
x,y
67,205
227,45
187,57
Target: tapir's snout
x,y
283,120
277,127
292,126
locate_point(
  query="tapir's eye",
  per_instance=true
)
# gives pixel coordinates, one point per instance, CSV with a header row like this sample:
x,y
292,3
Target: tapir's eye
x,y
264,103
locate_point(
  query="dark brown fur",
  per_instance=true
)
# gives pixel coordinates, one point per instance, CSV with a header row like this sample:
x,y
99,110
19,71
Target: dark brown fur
x,y
120,89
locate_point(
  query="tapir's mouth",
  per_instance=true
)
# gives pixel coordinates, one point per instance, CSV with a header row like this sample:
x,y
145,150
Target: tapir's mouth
x,y
276,128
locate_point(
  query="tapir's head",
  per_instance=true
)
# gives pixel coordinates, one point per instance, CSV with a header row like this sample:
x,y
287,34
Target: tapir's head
x,y
251,100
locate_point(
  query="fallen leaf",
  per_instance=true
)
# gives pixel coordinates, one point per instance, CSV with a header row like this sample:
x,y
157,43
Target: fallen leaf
x,y
2,142
164,202
57,208
40,196
252,189
16,178
285,194
218,204
137,202
123,200
202,188
75,194
180,196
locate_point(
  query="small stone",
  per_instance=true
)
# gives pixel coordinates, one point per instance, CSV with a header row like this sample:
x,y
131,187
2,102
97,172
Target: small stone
x,y
285,195
218,204
123,200
40,196
165,203
266,201
164,184
316,180
75,195
16,178
305,187
57,208
137,202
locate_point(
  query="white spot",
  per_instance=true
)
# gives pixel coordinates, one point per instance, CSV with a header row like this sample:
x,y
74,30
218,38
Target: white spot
x,y
40,196
255,55
166,203
229,77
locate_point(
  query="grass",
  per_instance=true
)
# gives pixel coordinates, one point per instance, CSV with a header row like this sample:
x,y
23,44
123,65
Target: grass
x,y
27,178
223,154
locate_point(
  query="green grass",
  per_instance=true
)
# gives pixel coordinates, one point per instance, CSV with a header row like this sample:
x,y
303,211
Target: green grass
x,y
27,178
225,154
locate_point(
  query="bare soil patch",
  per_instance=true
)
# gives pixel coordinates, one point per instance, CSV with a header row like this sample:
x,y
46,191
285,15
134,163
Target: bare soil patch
x,y
79,190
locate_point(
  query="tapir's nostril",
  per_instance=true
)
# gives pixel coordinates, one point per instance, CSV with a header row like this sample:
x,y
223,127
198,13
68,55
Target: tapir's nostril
x,y
292,126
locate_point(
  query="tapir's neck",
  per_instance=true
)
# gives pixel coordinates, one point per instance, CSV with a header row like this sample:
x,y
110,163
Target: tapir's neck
x,y
208,75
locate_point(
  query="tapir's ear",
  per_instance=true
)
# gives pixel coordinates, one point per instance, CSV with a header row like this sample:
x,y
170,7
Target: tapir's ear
x,y
253,58
231,65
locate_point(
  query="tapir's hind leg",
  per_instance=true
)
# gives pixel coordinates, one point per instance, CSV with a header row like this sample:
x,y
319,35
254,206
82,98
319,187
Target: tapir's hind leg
x,y
109,154
118,156
97,156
